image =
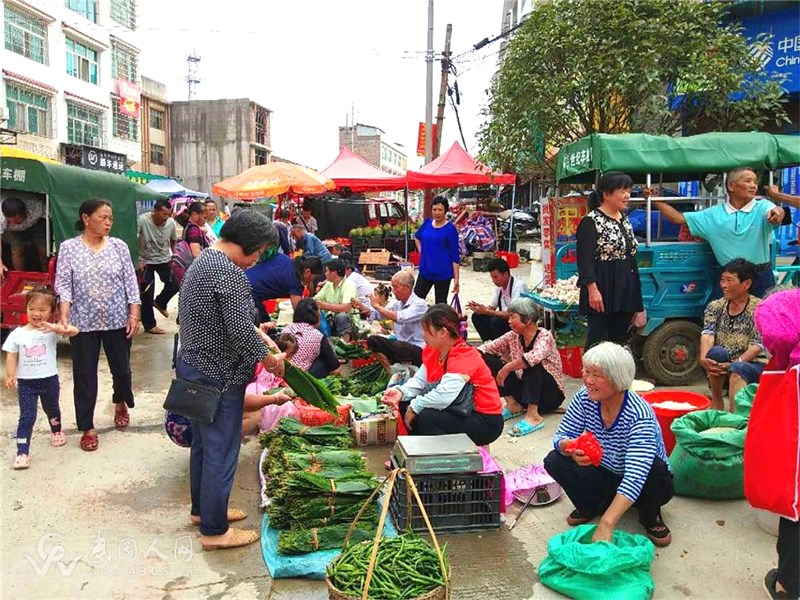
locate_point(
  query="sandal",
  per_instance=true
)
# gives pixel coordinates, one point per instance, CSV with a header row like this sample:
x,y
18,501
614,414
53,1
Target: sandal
x,y
236,538
508,415
58,439
578,518
89,442
155,331
122,418
22,461
658,532
524,428
234,514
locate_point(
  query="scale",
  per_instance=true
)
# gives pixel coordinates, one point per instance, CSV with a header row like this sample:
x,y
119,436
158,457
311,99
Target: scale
x,y
424,455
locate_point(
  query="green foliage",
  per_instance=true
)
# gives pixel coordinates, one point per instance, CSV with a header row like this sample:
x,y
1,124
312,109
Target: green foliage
x,y
611,66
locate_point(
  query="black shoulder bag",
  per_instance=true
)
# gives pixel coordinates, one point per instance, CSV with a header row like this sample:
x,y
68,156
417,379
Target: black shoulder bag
x,y
464,404
193,400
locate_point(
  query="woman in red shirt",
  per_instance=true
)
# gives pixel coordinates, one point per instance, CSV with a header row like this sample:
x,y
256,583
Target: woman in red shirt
x,y
448,364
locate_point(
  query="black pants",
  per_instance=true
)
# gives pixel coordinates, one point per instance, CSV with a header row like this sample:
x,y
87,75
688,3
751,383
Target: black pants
x,y
789,556
537,386
489,327
395,351
148,292
592,489
605,327
441,289
85,357
480,428
326,362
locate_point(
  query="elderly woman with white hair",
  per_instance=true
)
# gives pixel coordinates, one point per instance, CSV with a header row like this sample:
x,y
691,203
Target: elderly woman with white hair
x,y
527,366
634,470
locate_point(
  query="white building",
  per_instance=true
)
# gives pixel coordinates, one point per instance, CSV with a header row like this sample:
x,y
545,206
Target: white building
x,y
65,65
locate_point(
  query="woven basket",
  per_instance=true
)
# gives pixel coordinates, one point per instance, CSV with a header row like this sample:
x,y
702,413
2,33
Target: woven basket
x,y
334,593
311,416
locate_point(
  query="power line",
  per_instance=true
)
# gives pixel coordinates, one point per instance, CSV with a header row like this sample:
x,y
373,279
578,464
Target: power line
x,y
486,41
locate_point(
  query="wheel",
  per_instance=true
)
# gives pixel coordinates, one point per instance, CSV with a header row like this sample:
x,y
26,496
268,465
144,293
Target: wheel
x,y
671,353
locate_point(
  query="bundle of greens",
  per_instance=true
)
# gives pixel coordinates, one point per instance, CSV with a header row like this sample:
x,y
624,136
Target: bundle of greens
x,y
332,464
294,430
367,380
323,538
349,351
309,388
407,566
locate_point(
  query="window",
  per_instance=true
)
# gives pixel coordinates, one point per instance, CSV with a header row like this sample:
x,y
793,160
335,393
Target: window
x,y
157,154
123,63
157,119
261,127
124,12
260,156
84,125
25,35
82,61
85,8
123,126
28,111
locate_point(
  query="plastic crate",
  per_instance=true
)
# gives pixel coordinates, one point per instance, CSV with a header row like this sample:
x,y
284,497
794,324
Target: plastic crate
x,y
311,416
14,287
413,258
357,363
572,361
386,272
454,502
374,431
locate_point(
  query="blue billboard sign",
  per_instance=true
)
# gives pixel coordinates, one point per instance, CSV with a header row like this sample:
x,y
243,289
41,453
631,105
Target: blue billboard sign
x,y
782,53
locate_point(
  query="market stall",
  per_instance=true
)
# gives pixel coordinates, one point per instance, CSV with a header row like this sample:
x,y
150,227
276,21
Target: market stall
x,y
677,278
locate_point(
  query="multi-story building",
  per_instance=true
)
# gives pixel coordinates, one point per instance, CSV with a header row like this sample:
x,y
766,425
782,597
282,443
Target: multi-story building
x,y
367,141
70,81
215,139
154,117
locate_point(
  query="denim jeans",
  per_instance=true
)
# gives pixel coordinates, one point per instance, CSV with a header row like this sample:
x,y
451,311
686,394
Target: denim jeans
x,y
214,454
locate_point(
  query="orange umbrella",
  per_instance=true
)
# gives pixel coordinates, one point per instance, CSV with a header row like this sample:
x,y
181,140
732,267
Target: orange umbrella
x,y
273,179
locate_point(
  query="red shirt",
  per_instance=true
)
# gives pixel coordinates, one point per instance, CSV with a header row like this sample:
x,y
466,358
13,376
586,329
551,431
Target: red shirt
x,y
466,360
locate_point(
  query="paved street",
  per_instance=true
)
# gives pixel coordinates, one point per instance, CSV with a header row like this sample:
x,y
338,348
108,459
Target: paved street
x,y
114,523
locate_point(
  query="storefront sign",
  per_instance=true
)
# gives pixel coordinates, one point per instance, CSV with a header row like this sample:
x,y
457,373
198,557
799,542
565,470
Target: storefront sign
x,y
130,98
95,158
782,53
560,222
17,175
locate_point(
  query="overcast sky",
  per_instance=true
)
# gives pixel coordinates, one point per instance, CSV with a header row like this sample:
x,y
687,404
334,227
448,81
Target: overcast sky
x,y
311,62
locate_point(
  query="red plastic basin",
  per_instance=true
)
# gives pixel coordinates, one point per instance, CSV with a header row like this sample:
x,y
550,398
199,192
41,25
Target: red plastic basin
x,y
665,417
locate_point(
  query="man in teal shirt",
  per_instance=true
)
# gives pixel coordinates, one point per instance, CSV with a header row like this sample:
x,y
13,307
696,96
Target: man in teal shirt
x,y
212,217
740,228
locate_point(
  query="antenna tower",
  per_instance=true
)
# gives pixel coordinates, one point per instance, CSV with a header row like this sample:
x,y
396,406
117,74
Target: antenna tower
x,y
193,79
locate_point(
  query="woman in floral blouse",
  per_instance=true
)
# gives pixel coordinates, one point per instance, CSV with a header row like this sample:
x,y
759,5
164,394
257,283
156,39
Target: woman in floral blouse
x,y
527,366
99,294
607,273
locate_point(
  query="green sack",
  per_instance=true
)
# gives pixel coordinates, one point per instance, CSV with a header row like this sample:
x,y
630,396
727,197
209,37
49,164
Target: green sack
x,y
743,402
617,570
709,466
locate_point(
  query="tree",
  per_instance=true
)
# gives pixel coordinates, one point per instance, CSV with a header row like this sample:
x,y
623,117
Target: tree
x,y
577,67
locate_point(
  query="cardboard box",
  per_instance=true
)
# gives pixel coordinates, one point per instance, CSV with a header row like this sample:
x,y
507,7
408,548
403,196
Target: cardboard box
x,y
374,431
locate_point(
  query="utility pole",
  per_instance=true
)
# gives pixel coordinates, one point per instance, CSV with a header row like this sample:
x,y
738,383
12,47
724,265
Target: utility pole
x,y
437,145
429,88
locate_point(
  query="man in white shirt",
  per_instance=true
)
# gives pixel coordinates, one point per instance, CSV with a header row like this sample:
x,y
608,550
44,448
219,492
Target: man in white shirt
x,y
406,312
157,238
491,321
307,220
364,288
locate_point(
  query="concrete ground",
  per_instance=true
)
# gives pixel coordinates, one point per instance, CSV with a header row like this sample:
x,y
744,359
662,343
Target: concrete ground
x,y
114,523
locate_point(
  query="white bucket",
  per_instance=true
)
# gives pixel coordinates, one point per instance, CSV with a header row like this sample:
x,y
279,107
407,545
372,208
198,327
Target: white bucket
x,y
537,275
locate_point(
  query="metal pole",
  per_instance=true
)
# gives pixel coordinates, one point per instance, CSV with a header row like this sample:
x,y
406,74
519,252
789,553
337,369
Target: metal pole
x,y
648,213
429,88
511,224
405,201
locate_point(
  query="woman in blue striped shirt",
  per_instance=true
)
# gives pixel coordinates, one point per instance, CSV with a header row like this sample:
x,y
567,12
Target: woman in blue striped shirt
x,y
634,470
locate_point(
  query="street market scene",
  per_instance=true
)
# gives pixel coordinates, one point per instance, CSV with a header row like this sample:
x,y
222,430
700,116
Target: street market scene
x,y
539,340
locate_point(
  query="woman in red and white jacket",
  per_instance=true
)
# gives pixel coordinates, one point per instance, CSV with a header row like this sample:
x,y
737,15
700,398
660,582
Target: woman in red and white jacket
x,y
448,364
527,366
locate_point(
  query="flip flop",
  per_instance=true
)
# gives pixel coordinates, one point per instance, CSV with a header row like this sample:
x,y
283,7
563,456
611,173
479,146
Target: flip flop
x,y
508,415
524,428
155,331
89,442
122,418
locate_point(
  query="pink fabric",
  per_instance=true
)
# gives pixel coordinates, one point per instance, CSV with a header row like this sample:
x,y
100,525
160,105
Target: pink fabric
x,y
490,465
525,479
272,413
544,351
777,318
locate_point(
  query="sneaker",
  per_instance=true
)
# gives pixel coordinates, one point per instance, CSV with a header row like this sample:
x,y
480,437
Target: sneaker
x,y
771,587
658,532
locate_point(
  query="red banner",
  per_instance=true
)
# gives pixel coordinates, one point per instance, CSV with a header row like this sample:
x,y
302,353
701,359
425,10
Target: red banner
x,y
130,97
421,138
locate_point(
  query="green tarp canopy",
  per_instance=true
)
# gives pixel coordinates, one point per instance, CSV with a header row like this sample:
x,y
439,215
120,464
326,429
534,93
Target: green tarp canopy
x,y
684,158
68,187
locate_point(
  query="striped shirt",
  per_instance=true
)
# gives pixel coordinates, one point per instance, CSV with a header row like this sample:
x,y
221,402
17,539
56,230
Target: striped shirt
x,y
630,445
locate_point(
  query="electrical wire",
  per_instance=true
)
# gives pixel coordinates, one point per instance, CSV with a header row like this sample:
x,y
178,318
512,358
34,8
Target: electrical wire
x,y
458,118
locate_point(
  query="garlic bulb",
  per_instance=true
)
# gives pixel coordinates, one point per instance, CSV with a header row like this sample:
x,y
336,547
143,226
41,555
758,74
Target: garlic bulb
x,y
564,290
